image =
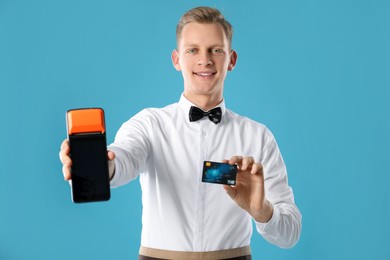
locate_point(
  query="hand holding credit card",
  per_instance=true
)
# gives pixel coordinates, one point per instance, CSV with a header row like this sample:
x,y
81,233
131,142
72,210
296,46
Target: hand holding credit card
x,y
219,173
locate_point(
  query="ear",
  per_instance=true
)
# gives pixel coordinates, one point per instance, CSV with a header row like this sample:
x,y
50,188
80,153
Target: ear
x,y
233,60
175,60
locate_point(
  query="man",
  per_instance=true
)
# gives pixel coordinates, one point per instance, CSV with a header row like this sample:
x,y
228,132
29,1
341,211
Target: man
x,y
184,218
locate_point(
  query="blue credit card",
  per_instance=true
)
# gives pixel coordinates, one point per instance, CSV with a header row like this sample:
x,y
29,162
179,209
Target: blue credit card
x,y
220,173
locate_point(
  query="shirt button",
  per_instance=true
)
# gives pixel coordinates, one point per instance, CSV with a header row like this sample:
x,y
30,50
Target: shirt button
x,y
204,133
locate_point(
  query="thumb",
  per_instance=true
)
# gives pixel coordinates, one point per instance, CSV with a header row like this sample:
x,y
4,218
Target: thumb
x,y
110,155
111,164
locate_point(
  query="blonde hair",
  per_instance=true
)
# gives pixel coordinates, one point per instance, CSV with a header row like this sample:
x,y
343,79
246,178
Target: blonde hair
x,y
204,14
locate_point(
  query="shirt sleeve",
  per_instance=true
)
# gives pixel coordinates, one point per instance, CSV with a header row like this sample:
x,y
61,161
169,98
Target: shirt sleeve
x,y
284,228
131,148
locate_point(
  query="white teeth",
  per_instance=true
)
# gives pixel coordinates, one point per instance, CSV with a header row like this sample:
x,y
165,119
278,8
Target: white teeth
x,y
204,74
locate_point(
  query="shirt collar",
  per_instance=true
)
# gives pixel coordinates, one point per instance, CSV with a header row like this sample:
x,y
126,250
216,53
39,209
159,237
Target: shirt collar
x,y
185,104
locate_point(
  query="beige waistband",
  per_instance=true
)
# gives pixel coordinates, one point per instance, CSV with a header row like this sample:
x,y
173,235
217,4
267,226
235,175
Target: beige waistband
x,y
180,255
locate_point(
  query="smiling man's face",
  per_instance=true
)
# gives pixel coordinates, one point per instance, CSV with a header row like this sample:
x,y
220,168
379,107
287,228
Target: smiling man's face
x,y
204,57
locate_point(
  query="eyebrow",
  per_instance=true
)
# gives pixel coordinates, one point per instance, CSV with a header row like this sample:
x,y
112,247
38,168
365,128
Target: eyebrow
x,y
209,47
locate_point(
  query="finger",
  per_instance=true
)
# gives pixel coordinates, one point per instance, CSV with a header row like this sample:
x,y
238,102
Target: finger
x,y
66,160
65,150
65,145
246,163
66,168
110,155
66,173
257,168
236,160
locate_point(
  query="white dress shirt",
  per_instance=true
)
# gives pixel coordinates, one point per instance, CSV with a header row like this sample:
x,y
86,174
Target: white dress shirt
x,y
180,212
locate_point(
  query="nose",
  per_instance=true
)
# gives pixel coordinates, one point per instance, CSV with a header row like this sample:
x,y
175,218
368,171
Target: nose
x,y
205,60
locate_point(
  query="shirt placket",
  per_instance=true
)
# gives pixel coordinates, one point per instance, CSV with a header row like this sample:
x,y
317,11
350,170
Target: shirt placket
x,y
203,156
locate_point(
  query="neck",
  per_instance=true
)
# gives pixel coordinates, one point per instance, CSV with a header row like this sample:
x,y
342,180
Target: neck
x,y
204,102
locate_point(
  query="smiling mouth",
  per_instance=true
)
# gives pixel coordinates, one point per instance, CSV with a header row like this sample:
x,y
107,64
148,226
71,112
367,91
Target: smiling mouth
x,y
205,74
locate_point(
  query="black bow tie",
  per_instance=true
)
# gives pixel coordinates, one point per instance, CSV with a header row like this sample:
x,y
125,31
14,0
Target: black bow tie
x,y
214,114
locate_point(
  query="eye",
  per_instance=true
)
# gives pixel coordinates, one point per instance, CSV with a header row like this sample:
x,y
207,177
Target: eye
x,y
192,51
217,51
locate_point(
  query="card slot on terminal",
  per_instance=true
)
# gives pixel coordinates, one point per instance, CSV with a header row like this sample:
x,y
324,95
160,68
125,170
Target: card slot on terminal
x,y
89,120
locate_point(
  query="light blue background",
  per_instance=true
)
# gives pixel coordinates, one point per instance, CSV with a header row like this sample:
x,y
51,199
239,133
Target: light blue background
x,y
315,72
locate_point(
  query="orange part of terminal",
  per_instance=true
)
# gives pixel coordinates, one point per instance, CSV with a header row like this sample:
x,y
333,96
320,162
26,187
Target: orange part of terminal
x,y
88,120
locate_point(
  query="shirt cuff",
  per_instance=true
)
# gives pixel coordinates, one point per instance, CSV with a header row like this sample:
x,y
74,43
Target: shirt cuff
x,y
271,225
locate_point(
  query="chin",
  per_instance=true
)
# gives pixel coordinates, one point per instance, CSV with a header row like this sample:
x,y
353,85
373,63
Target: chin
x,y
206,91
